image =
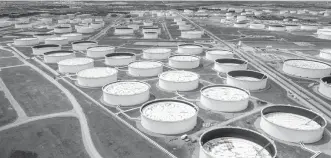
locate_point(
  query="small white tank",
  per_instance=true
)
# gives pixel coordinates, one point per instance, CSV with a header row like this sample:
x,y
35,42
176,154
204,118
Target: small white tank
x,y
96,76
178,80
225,65
292,123
306,68
156,53
249,80
62,29
119,59
58,55
43,48
184,61
75,65
73,36
169,116
126,93
97,25
218,54
123,31
83,45
145,68
224,98
190,49
191,34
57,40
99,51
42,36
26,41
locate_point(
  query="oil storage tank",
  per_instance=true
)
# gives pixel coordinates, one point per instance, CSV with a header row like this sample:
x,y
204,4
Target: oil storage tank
x,y
145,68
83,45
246,79
306,68
226,142
62,29
96,76
168,116
189,49
73,36
43,48
229,64
126,93
42,36
74,65
157,53
57,40
292,123
85,29
58,55
224,98
119,59
184,61
325,86
218,54
99,51
178,80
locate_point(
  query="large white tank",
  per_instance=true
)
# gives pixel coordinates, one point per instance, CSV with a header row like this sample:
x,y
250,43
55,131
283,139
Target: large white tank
x,y
87,20
292,123
169,116
157,53
325,86
57,40
26,41
218,54
151,29
123,31
99,51
61,29
119,59
96,76
245,143
277,28
184,61
225,65
178,80
224,98
148,23
151,35
145,68
306,68
246,79
191,34
58,55
83,45
189,49
256,26
126,93
73,36
74,65
309,27
43,48
325,54
97,25
85,29
240,24
42,36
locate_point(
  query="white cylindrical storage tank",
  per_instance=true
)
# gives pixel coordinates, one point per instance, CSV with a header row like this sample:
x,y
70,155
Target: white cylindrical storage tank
x,y
96,76
42,36
99,51
249,80
119,59
178,80
277,28
325,54
292,27
218,54
309,27
148,23
184,61
245,143
58,55
123,31
240,24
85,29
229,64
292,123
151,35
145,68
156,53
43,48
57,40
306,68
256,26
26,41
73,36
62,29
191,34
83,45
185,27
126,93
97,25
189,49
134,26
80,25
74,65
224,98
325,86
169,116
151,29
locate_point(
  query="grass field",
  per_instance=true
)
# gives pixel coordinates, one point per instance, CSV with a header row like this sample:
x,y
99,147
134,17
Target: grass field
x,y
4,53
51,138
7,112
33,92
4,62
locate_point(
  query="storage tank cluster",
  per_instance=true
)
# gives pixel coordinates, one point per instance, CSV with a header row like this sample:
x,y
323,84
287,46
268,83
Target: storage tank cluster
x,y
306,68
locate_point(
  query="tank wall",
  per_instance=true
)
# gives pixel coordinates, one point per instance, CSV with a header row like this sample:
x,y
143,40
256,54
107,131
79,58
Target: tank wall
x,y
85,30
307,73
325,55
96,82
257,85
42,38
226,68
325,89
55,59
119,62
213,57
62,30
82,47
224,106
74,38
156,55
150,36
126,100
178,86
98,54
145,72
74,68
59,42
184,65
26,42
192,51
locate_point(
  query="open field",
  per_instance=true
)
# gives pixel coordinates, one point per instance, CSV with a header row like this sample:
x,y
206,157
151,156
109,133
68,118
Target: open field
x,y
7,113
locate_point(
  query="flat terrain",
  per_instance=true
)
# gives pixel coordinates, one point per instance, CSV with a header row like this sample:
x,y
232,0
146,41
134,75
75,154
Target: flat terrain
x,y
7,112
